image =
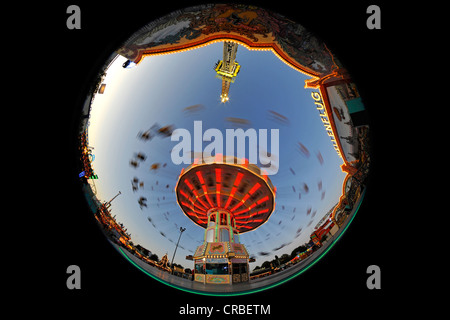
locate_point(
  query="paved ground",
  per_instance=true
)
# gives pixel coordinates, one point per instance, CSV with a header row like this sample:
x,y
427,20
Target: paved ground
x,y
239,287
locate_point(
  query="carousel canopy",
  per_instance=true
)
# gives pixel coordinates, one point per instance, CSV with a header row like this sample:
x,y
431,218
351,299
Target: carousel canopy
x,y
240,189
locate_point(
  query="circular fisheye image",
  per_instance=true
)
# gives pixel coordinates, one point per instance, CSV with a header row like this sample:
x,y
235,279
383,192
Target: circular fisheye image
x,y
224,149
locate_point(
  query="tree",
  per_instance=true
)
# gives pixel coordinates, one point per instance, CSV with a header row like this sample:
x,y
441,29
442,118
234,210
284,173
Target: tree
x,y
178,265
277,261
284,258
154,257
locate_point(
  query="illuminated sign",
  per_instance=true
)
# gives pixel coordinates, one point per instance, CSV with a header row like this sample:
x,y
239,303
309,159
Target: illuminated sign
x,y
318,101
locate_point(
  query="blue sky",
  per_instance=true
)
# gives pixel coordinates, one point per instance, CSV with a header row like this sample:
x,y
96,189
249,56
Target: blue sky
x,y
157,91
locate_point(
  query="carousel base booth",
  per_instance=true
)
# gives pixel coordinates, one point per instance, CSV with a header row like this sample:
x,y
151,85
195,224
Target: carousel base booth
x,y
221,263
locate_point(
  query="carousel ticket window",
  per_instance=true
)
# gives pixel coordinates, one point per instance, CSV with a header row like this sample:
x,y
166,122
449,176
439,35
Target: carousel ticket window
x,y
240,272
216,268
199,268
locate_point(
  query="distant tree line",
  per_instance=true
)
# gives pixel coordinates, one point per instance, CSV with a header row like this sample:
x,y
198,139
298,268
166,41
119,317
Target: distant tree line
x,y
278,261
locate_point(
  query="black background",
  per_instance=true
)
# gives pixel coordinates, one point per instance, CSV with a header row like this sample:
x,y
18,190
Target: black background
x,y
66,232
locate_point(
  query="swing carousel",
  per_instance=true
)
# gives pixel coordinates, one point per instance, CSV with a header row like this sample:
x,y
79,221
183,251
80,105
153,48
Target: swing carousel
x,y
226,197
